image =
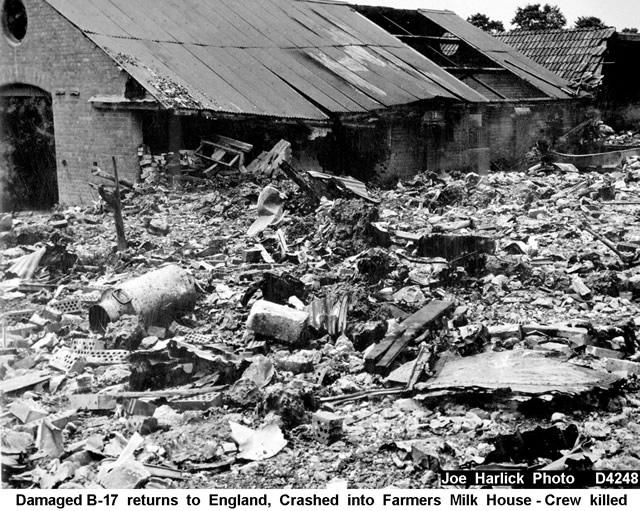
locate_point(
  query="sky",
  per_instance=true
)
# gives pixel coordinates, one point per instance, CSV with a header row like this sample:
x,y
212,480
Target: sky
x,y
615,13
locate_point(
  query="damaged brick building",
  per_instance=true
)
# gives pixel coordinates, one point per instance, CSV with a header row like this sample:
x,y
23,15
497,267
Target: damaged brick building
x,y
356,91
599,60
525,102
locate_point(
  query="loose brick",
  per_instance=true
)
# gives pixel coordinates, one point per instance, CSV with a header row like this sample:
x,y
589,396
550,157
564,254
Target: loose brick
x,y
278,321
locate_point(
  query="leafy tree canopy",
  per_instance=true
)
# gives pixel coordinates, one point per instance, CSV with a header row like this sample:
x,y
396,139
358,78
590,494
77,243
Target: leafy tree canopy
x,y
631,30
483,22
539,17
590,22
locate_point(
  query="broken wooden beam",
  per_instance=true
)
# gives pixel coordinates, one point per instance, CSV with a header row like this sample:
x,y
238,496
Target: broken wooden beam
x,y
268,162
164,472
624,258
420,365
117,211
290,172
23,382
382,355
100,173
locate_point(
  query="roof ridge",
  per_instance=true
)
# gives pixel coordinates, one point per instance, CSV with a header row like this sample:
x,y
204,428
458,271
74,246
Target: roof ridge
x,y
519,31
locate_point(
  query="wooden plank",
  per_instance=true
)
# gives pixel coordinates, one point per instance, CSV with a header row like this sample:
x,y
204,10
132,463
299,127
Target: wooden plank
x,y
421,363
23,382
384,353
164,472
271,160
117,211
396,347
237,144
407,236
377,352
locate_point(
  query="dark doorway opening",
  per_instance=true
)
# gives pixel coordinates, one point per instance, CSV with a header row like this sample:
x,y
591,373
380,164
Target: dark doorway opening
x,y
28,175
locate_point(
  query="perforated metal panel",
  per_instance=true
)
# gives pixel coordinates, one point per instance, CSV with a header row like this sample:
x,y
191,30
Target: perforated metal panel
x,y
68,305
17,315
92,297
327,427
81,345
66,360
105,356
59,420
200,402
197,338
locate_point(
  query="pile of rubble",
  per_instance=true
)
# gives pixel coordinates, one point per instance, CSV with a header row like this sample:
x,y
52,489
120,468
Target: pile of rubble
x,y
294,329
621,139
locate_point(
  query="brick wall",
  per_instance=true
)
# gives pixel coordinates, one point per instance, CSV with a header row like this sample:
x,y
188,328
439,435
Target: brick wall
x,y
512,134
59,59
405,151
414,146
452,143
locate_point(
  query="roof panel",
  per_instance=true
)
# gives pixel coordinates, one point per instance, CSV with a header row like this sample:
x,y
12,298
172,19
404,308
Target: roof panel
x,y
503,54
304,80
128,26
436,74
570,53
329,81
88,20
352,25
287,58
266,23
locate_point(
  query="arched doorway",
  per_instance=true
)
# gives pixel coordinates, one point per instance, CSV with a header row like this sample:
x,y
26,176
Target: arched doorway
x,y
28,178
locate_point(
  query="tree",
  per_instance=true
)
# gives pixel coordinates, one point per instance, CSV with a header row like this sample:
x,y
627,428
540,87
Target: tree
x,y
483,22
590,22
537,17
630,30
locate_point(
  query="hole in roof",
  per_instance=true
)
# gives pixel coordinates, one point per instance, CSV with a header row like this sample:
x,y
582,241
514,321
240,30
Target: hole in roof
x,y
14,20
449,49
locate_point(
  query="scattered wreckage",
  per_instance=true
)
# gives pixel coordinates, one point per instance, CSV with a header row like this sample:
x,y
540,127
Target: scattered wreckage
x,y
268,326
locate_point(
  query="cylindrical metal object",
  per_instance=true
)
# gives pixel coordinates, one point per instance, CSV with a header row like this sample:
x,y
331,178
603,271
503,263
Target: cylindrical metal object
x,y
156,297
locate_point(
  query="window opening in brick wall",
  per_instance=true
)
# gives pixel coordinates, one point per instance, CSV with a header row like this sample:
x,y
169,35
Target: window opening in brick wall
x,y
14,20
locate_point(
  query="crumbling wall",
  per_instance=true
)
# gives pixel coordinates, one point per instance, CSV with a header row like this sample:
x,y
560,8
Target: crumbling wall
x,y
513,129
355,148
414,142
404,152
58,58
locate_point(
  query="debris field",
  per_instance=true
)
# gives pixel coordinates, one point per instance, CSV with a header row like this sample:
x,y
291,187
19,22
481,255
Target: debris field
x,y
279,328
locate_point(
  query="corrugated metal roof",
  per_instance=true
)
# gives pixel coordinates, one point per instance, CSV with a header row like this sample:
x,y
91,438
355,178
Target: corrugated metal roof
x,y
575,55
281,58
505,55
